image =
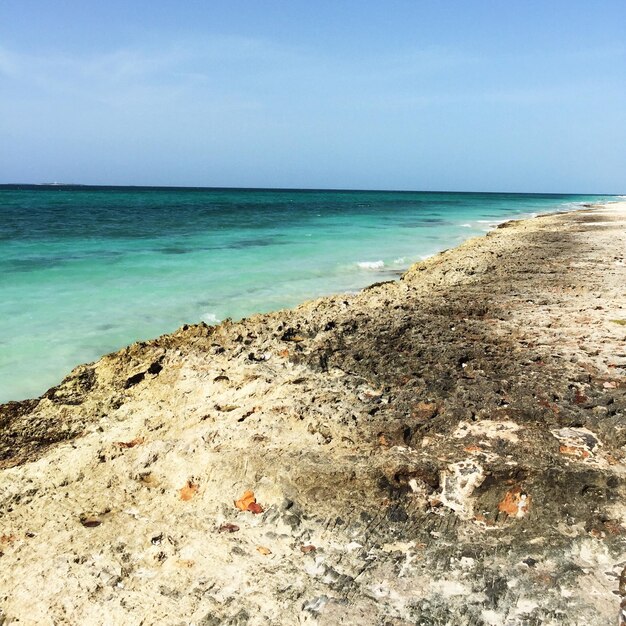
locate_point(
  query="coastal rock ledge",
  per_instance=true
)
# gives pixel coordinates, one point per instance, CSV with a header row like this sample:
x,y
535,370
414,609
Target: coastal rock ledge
x,y
448,448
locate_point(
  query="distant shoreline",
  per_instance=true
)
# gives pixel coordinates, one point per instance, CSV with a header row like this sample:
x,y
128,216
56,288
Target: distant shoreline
x,y
70,186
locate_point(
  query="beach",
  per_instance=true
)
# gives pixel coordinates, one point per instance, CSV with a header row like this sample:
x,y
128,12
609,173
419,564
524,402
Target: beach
x,y
445,448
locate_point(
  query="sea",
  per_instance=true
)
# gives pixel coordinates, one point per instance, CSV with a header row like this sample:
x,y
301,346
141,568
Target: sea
x,y
87,270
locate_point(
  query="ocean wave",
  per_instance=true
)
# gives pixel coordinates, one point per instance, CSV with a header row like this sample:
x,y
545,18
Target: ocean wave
x,y
371,265
466,226
210,318
487,225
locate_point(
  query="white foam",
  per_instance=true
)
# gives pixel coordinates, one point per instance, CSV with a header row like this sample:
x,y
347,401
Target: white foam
x,y
399,261
489,224
466,225
371,265
210,318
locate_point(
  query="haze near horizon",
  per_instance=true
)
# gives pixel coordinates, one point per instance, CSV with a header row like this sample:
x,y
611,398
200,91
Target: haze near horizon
x,y
474,96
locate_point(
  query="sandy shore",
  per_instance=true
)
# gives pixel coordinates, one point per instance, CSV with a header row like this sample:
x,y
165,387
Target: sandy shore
x,y
443,449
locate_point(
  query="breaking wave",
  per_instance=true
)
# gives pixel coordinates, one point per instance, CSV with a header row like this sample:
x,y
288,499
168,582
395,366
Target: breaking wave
x,y
371,265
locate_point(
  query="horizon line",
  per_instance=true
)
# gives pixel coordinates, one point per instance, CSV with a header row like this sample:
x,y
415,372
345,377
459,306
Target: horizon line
x,y
296,189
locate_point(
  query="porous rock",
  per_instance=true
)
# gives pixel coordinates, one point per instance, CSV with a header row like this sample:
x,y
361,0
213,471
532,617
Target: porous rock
x,y
441,449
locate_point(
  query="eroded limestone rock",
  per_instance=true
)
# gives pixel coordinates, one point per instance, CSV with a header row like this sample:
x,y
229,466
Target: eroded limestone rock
x,y
443,449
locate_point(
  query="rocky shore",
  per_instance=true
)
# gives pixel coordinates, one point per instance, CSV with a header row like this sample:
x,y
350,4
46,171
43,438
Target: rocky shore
x,y
448,448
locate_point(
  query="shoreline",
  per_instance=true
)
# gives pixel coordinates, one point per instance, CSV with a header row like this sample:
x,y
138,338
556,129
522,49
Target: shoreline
x,y
388,273
444,446
82,299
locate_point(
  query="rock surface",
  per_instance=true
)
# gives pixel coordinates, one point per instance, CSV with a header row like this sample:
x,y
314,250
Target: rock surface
x,y
443,449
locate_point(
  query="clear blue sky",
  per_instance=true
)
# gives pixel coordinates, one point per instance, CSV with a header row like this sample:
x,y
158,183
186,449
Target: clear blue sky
x,y
514,95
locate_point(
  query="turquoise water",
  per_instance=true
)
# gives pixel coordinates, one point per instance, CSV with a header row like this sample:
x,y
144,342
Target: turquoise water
x,y
85,270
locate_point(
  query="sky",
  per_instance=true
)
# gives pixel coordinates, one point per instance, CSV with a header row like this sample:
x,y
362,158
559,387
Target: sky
x,y
471,95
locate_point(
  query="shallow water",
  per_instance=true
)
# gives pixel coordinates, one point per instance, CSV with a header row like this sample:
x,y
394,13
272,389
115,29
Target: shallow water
x,y
86,270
